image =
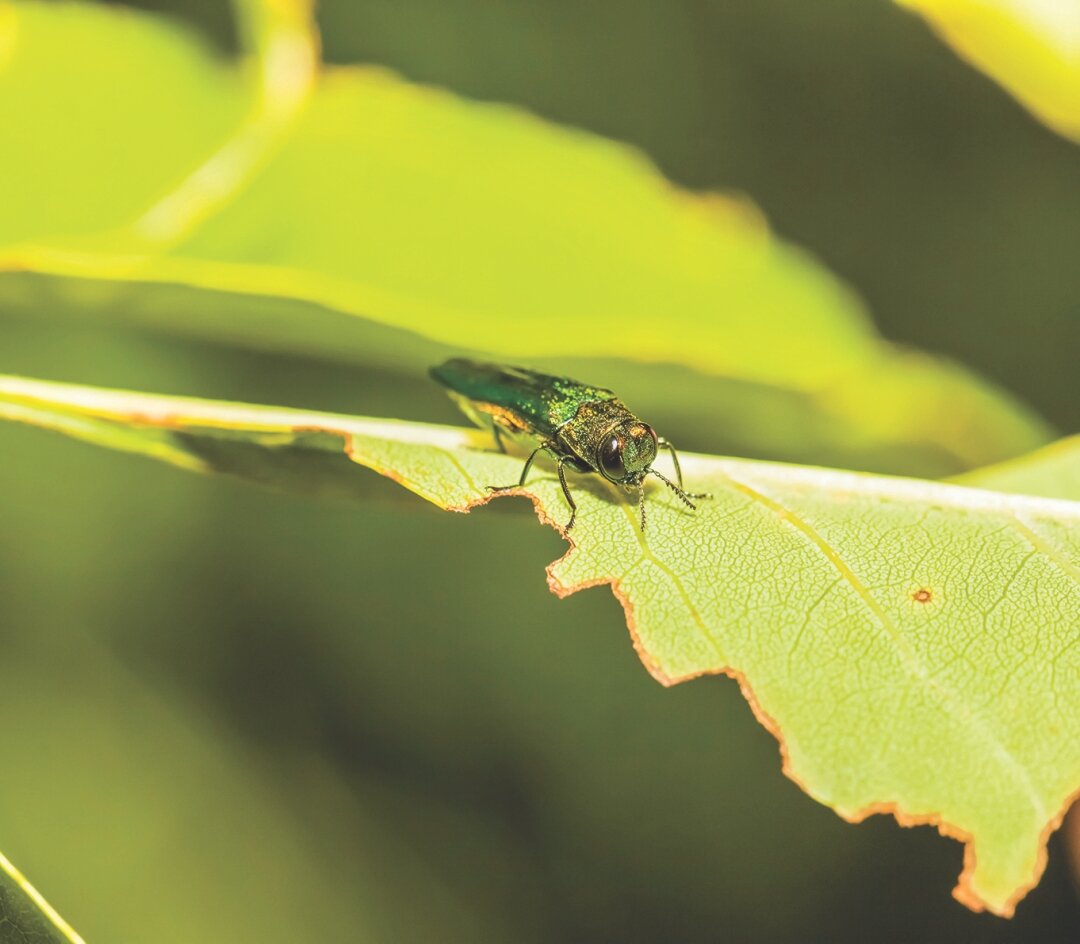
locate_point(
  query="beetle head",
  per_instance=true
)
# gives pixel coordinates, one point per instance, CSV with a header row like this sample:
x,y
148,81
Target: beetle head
x,y
626,453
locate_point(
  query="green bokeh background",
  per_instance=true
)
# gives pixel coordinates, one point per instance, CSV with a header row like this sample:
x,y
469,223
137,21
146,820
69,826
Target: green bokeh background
x,y
235,715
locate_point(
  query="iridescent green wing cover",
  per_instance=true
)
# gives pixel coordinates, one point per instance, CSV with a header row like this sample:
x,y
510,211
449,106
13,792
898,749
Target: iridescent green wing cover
x,y
530,401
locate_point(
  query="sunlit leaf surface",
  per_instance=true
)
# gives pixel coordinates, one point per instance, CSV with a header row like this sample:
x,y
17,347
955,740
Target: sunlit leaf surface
x,y
1032,47
912,645
382,222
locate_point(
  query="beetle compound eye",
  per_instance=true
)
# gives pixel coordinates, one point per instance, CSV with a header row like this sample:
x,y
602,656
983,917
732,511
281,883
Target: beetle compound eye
x,y
611,459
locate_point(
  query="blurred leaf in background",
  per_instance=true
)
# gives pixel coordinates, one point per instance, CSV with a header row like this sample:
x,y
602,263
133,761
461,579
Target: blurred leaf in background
x,y
1032,47
857,132
1053,471
469,226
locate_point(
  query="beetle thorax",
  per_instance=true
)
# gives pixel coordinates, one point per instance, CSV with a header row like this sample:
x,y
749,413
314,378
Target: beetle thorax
x,y
609,425
590,424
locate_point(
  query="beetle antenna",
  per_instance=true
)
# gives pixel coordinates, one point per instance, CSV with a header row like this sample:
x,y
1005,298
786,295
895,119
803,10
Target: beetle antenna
x,y
641,504
675,488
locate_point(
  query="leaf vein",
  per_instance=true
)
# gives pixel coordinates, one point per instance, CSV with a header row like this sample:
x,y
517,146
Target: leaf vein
x,y
1046,548
911,660
676,582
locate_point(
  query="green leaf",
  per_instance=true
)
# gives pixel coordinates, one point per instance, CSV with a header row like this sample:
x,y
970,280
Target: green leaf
x,y
1053,472
1032,49
911,644
367,219
25,915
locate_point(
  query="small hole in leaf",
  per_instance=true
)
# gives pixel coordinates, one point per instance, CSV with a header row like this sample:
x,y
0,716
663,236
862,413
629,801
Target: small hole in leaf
x,y
923,595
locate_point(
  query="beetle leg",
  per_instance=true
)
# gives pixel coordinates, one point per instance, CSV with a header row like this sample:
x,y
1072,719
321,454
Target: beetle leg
x,y
524,473
497,433
562,461
528,465
664,444
566,490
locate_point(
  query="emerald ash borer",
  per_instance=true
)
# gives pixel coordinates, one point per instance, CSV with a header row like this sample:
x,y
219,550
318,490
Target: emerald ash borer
x,y
585,428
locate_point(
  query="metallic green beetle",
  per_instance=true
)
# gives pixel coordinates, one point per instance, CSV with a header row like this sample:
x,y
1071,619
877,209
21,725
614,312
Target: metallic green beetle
x,y
583,427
